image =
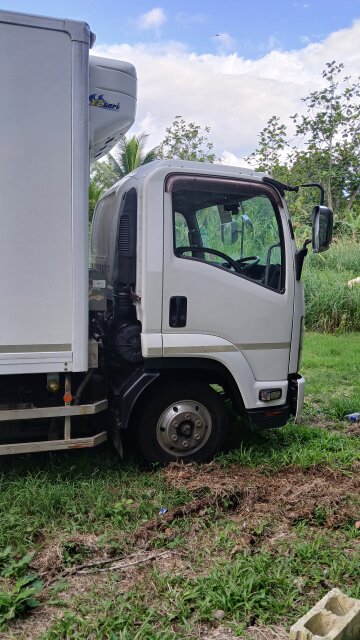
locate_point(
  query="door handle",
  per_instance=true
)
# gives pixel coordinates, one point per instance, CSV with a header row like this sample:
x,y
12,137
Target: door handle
x,y
178,311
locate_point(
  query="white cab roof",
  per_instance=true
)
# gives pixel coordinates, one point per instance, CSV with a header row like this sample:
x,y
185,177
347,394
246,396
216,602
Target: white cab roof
x,y
205,168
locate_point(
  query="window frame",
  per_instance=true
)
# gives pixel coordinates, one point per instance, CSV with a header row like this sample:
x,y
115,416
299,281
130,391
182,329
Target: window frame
x,y
196,181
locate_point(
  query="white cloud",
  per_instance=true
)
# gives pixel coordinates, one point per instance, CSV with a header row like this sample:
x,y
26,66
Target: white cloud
x,y
224,42
153,19
235,96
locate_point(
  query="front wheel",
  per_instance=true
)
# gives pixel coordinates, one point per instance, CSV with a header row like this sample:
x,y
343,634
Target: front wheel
x,y
183,421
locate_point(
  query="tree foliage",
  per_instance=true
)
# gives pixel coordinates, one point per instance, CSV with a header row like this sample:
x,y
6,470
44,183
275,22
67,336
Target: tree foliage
x,y
127,155
327,149
272,141
330,131
186,141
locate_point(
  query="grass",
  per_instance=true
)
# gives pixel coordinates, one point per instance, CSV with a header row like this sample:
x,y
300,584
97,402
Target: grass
x,y
86,492
265,585
263,563
332,306
331,368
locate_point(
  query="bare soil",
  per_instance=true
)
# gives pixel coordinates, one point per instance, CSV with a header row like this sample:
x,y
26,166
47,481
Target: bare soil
x,y
289,495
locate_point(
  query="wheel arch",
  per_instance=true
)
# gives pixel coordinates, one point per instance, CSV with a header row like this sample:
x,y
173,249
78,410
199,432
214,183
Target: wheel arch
x,y
158,370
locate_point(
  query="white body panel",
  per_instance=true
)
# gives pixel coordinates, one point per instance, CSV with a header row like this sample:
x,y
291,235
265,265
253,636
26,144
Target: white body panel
x,y
233,359
43,187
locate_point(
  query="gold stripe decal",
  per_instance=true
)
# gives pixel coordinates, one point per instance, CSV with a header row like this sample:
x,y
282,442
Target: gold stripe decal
x,y
200,349
33,348
154,351
251,346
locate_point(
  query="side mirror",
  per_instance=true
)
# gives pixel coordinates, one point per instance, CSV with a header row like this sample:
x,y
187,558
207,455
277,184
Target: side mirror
x,y
322,228
229,232
247,222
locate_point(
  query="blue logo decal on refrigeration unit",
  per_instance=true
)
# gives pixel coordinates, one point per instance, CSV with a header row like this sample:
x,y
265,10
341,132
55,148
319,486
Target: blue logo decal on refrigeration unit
x,y
99,101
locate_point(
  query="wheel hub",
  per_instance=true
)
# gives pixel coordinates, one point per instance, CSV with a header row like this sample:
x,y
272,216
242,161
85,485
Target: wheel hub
x,y
184,427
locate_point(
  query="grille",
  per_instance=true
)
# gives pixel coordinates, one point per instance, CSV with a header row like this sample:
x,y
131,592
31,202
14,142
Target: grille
x,y
123,239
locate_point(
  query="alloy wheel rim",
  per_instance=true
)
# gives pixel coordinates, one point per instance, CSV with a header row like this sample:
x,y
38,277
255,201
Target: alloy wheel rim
x,y
184,428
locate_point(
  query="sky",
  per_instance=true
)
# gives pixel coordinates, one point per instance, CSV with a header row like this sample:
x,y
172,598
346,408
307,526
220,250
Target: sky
x,y
228,65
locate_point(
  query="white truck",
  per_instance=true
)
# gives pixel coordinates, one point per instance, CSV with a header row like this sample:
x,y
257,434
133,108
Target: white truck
x,y
195,293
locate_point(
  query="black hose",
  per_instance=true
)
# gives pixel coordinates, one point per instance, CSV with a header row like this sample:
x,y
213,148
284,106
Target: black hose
x,y
82,386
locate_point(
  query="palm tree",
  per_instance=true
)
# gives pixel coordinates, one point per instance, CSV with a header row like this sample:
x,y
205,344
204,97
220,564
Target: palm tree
x,y
129,154
95,191
126,156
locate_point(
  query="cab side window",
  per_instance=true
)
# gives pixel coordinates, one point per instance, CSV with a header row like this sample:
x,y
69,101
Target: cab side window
x,y
239,232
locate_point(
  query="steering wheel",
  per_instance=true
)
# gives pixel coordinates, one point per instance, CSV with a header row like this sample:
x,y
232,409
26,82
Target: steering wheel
x,y
253,260
180,250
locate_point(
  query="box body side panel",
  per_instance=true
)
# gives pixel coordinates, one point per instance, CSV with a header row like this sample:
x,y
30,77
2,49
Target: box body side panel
x,y
39,233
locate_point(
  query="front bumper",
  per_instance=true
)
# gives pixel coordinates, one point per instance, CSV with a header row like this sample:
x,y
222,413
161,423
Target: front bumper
x,y
268,418
278,416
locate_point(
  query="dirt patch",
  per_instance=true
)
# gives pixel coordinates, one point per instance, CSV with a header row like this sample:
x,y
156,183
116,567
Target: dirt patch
x,y
258,632
76,587
50,560
176,564
35,624
318,495
217,633
219,499
262,632
353,429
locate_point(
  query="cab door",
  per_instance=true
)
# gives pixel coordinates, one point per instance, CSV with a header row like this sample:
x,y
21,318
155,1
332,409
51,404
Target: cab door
x,y
228,282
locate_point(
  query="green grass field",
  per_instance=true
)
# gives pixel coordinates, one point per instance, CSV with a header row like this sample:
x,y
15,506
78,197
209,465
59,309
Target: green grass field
x,y
259,535
331,305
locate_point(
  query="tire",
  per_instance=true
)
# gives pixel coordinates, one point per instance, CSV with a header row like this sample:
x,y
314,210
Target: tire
x,y
184,421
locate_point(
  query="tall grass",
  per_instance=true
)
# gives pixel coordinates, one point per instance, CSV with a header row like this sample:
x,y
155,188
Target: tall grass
x,y
330,304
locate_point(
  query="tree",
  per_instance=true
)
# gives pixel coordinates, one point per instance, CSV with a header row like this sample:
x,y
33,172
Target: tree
x,y
126,156
95,191
186,141
329,135
327,149
272,140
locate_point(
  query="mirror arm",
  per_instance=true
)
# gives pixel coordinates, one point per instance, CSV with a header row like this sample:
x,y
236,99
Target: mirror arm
x,y
280,186
318,186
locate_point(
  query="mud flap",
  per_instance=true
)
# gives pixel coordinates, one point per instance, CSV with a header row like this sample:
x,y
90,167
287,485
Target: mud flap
x,y
300,398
